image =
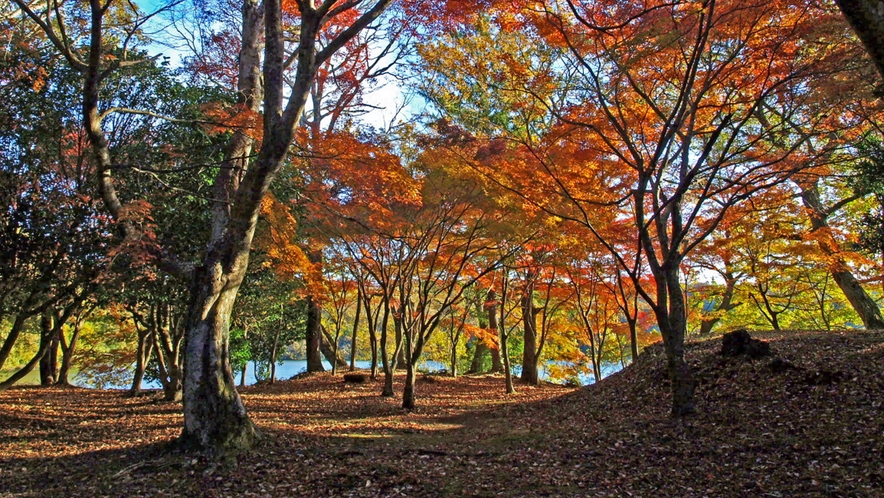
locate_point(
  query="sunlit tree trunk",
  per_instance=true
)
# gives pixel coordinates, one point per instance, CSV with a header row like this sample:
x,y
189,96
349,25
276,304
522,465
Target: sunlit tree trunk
x,y
726,304
865,306
495,322
142,356
529,322
385,358
313,336
67,351
355,330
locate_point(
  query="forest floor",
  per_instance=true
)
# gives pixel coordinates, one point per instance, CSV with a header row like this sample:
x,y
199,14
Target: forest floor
x,y
806,421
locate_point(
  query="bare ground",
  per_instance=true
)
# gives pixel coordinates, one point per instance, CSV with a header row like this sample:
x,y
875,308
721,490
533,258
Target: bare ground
x,y
808,421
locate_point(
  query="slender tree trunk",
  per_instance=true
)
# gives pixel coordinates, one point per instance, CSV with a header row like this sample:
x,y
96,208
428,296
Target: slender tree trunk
x,y
491,306
529,320
408,391
385,358
355,331
673,328
632,322
67,352
142,356
313,337
242,375
477,365
373,340
399,352
498,326
453,359
273,348
49,361
865,306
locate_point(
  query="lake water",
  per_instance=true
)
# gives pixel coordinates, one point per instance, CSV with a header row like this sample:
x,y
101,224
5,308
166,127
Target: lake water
x,y
290,368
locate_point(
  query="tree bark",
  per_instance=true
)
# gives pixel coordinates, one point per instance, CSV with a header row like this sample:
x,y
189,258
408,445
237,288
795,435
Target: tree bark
x,y
142,356
49,361
408,398
355,330
67,351
529,322
673,328
386,361
491,305
477,366
866,17
313,336
215,418
495,322
865,306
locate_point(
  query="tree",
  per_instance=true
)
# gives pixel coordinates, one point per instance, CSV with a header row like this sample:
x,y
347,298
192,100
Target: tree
x,y
867,21
215,418
667,119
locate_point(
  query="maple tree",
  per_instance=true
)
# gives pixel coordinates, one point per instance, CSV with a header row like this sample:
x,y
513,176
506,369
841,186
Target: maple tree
x,y
669,115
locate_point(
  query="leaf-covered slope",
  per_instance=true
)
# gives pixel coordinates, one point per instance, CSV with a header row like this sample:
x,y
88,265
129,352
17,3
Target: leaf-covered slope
x,y
806,421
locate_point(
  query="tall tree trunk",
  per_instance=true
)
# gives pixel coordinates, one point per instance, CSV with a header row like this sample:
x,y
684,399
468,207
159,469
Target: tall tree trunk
x,y
273,348
386,361
215,418
478,364
67,351
408,392
49,361
529,321
673,327
331,352
495,322
142,356
865,306
453,359
374,356
399,352
313,336
490,306
355,330
496,364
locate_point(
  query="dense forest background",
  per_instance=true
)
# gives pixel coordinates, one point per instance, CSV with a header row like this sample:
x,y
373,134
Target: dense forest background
x,y
554,186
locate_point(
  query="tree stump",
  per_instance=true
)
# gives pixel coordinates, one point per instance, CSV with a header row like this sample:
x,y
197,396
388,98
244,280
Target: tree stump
x,y
740,343
355,378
